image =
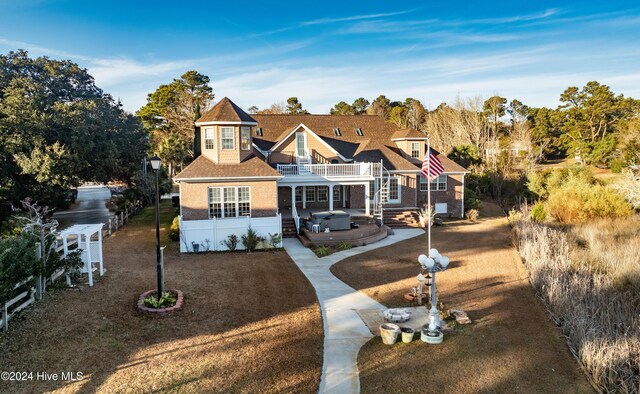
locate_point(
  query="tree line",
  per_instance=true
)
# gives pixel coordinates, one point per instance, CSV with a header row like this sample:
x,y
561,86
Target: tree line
x,y
57,128
592,123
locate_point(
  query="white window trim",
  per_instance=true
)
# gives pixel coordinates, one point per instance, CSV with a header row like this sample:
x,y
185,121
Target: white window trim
x,y
313,189
411,145
233,138
318,193
389,201
306,148
212,139
248,130
222,202
435,184
339,189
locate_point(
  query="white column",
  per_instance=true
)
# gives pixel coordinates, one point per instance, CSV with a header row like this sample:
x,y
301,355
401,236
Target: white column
x,y
343,195
304,197
331,197
366,199
88,261
293,197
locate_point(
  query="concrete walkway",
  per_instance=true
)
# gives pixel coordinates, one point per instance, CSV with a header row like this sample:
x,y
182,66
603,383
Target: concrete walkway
x,y
344,331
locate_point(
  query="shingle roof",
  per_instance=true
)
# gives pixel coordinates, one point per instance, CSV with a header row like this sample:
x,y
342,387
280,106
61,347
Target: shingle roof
x,y
203,167
407,134
226,111
374,145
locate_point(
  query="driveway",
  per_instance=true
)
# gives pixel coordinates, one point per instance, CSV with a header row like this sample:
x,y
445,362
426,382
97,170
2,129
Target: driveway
x,y
88,208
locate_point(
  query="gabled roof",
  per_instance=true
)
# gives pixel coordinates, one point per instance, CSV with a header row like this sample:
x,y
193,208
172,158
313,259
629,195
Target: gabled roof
x,y
225,111
205,169
408,134
375,144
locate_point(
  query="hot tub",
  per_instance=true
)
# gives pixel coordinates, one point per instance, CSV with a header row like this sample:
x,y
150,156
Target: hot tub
x,y
334,220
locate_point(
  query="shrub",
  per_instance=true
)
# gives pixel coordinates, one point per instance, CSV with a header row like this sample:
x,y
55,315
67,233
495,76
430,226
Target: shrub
x,y
167,300
251,240
576,204
472,214
538,212
471,199
174,230
616,166
322,251
274,240
231,243
344,245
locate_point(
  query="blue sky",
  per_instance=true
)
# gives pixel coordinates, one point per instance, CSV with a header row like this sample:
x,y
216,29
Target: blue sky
x,y
260,53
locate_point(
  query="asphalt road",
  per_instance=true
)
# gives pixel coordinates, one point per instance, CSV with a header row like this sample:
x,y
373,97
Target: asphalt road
x,y
89,208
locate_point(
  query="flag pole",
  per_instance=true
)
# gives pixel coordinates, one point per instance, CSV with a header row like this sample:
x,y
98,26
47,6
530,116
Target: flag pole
x,y
428,155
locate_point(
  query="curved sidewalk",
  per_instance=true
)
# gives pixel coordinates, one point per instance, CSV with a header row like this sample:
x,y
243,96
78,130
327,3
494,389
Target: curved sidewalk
x,y
344,330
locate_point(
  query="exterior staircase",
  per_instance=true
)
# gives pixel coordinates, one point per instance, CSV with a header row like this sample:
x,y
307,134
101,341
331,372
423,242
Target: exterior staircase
x,y
288,228
399,218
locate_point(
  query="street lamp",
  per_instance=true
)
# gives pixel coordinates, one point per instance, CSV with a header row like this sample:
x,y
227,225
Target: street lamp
x,y
155,165
432,333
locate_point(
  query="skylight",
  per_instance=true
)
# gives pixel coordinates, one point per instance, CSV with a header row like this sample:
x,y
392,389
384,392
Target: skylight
x,y
337,132
359,131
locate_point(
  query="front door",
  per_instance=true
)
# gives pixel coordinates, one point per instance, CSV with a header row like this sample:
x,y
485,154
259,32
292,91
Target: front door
x,y
301,148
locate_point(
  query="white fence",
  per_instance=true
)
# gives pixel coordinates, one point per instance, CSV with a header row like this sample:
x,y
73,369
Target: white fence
x,y
34,290
209,234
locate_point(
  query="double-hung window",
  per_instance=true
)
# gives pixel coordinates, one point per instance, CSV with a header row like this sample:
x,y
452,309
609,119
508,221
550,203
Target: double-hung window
x,y
229,202
394,190
323,193
228,140
336,193
209,138
245,138
415,150
310,194
438,184
299,194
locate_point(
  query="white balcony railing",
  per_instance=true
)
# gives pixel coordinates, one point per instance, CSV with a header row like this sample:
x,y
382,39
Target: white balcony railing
x,y
355,170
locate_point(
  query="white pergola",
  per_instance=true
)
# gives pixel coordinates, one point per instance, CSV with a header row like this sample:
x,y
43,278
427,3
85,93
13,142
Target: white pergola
x,y
91,250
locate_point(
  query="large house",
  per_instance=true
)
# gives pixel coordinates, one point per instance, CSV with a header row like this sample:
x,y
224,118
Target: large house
x,y
261,170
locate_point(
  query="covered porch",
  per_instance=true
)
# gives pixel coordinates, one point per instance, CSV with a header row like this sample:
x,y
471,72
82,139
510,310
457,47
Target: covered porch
x,y
302,199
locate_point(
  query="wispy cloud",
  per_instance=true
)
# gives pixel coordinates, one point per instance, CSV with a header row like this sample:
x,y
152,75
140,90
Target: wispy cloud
x,y
327,21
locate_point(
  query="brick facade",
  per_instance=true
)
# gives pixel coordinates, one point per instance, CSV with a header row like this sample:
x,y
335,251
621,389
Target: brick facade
x,y
453,196
195,198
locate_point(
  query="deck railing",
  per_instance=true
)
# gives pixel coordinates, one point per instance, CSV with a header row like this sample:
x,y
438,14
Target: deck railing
x,y
354,170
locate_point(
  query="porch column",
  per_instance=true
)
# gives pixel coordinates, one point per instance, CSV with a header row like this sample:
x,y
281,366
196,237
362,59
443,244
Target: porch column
x,y
304,197
293,197
331,197
366,199
343,195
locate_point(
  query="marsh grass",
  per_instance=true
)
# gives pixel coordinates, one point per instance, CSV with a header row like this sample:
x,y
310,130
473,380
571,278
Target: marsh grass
x,y
588,277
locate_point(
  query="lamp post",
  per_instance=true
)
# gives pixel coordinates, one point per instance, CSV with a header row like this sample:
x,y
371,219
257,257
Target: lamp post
x,y
155,165
432,333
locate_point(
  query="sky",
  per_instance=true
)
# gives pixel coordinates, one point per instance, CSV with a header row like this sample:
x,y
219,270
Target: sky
x,y
258,53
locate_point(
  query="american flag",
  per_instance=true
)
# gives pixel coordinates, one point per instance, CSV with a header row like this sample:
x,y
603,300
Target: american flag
x,y
431,166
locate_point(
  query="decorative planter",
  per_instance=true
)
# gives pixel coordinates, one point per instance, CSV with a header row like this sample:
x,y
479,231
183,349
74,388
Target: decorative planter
x,y
407,334
161,311
414,297
389,333
397,315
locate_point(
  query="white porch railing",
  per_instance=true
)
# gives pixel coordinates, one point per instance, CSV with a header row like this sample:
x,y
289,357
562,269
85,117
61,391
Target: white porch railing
x,y
354,170
296,217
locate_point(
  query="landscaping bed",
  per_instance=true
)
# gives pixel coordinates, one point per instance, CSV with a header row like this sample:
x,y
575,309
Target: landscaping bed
x,y
512,345
249,323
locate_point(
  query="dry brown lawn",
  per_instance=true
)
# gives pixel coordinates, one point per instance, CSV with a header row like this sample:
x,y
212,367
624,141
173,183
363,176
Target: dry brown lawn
x,y
251,323
512,345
